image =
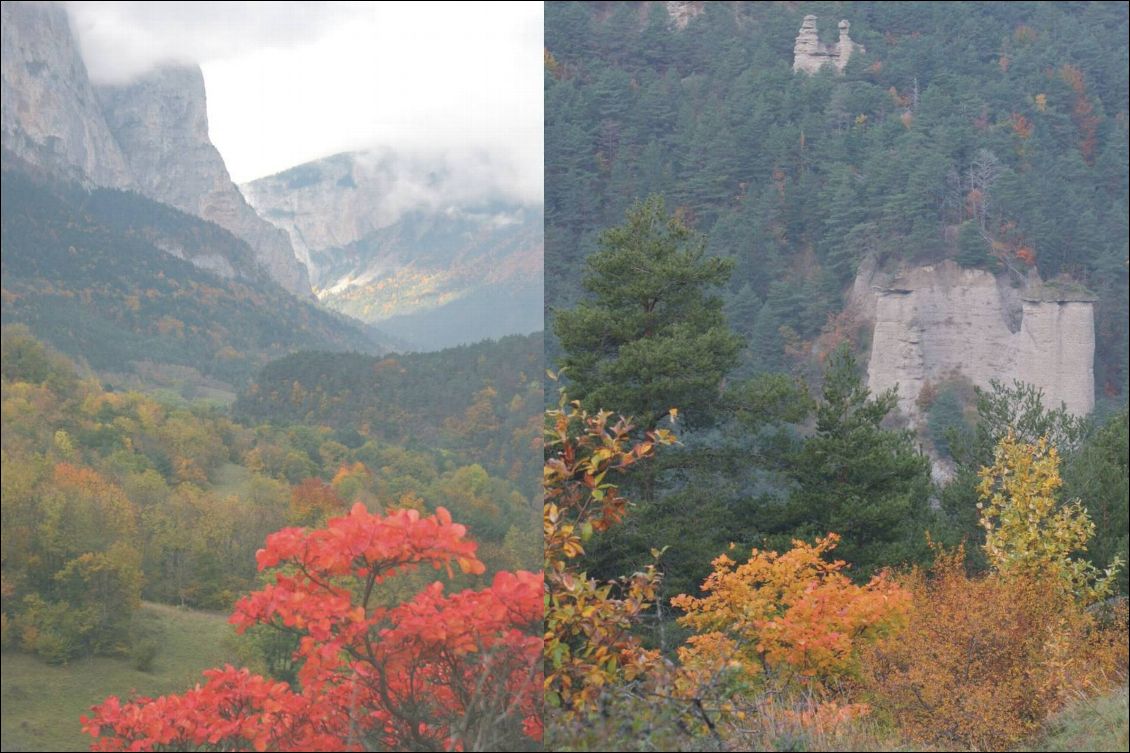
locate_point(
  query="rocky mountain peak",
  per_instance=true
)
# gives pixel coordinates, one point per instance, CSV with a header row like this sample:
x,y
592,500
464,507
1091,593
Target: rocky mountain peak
x,y
51,115
403,242
173,96
150,135
160,121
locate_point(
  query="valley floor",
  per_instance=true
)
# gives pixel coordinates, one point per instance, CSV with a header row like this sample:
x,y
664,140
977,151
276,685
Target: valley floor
x,y
42,703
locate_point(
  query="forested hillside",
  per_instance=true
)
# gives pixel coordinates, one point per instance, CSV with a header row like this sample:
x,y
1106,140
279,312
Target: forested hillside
x,y
116,280
991,133
478,402
772,522
110,497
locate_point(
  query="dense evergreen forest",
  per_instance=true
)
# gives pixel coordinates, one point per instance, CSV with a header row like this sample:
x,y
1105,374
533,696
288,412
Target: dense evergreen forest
x,y
766,555
1008,119
475,402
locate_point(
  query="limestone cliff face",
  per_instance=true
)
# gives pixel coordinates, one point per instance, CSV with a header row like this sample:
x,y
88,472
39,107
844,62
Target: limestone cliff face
x,y
348,199
51,116
810,54
328,203
933,323
161,124
403,243
150,136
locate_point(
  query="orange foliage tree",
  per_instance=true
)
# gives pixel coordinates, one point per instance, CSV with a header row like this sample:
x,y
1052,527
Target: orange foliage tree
x,y
983,661
436,672
312,501
791,620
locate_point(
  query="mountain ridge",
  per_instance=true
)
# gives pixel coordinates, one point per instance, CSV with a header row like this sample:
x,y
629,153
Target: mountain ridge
x,y
149,136
124,283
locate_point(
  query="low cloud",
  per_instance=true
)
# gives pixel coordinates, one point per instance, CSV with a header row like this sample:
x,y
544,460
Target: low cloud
x,y
123,40
457,86
448,180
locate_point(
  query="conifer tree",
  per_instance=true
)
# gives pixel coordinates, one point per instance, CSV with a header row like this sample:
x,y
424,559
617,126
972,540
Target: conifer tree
x,y
858,478
652,335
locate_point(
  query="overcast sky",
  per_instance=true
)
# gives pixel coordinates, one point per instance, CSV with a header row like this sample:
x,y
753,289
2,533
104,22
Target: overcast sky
x,y
291,82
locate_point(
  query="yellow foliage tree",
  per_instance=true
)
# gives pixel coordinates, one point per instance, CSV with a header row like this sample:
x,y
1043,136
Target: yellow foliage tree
x,y
1026,529
588,644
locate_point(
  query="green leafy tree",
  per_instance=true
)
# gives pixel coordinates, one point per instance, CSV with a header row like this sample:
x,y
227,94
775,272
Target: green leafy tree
x,y
973,250
652,335
1019,410
1097,474
766,342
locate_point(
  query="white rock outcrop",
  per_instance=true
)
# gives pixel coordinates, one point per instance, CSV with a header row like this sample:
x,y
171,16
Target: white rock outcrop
x,y
682,11
810,54
938,322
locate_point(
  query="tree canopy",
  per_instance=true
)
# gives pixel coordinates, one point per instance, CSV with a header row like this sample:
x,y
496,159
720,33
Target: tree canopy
x,y
652,335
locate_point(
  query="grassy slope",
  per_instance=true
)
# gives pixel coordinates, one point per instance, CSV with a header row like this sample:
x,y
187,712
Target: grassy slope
x,y
1098,723
42,703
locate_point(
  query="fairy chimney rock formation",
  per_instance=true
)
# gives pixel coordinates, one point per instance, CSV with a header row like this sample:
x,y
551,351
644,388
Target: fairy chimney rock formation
x,y
810,54
682,11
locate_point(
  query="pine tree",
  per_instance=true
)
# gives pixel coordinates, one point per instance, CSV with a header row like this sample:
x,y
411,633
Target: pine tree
x,y
652,335
854,477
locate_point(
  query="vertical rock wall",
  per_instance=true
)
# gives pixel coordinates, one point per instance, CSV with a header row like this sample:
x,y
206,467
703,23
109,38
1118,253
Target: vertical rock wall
x,y
935,323
161,123
1056,351
50,113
